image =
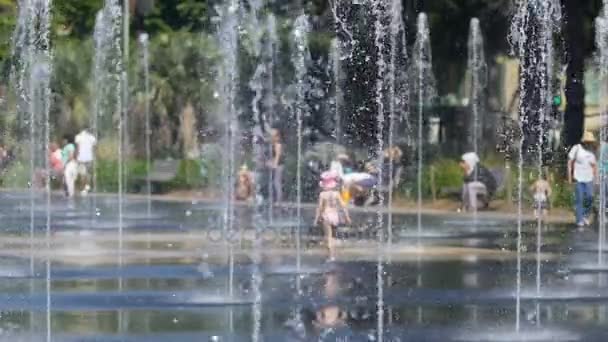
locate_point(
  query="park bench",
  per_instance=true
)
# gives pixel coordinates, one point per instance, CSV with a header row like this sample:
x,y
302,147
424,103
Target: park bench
x,y
162,172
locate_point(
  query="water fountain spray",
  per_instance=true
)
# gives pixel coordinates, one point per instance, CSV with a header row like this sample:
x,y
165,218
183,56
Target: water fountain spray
x,y
271,48
342,49
533,28
145,60
379,12
477,69
32,74
256,84
228,42
300,33
101,42
335,55
601,42
342,29
398,94
423,93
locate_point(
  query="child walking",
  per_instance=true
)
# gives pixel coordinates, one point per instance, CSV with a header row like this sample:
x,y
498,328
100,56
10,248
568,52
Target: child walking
x,y
245,186
328,211
541,190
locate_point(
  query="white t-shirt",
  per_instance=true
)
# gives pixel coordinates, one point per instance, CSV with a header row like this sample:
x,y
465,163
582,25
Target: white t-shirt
x,y
85,142
583,164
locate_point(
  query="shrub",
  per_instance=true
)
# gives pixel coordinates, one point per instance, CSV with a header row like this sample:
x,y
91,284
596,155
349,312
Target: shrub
x,y
189,175
446,173
16,175
563,195
107,173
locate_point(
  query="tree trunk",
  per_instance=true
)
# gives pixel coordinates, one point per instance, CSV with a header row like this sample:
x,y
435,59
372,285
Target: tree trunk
x,y
189,132
574,118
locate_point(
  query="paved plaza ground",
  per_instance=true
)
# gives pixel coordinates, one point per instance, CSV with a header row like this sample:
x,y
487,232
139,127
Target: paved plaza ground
x,y
171,274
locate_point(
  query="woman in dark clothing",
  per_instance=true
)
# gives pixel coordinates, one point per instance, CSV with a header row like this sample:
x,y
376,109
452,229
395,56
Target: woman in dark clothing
x,y
477,181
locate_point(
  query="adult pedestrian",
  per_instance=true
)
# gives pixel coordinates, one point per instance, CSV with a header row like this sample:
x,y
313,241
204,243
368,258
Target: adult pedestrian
x,y
583,171
85,142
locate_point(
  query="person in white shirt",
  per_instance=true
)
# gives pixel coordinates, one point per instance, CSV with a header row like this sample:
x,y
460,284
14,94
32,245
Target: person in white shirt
x,y
582,169
85,143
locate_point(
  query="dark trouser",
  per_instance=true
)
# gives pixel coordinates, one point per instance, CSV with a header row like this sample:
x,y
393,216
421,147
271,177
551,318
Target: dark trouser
x,y
277,183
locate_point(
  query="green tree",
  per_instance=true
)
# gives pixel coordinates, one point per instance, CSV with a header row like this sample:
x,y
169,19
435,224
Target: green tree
x,y
185,15
7,25
75,17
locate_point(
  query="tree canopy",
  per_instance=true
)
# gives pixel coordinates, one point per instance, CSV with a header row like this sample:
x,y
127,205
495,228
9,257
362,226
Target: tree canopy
x,y
183,74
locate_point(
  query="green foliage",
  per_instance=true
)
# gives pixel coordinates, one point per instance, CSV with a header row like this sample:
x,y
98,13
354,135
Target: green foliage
x,y
210,172
8,19
189,176
563,195
75,18
446,173
183,15
17,175
182,73
70,84
107,173
320,42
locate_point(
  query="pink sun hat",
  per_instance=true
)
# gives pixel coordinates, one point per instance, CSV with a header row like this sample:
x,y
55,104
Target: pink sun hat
x,y
329,180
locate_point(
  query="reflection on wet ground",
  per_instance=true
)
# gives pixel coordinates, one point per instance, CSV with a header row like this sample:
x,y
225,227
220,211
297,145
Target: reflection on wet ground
x,y
168,277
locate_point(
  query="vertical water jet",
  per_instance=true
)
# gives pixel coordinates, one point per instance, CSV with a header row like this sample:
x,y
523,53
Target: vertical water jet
x,y
423,93
145,65
335,56
532,33
271,49
477,69
32,73
257,86
226,93
298,58
601,43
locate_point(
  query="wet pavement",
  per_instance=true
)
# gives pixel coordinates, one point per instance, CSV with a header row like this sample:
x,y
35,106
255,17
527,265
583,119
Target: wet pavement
x,y
174,275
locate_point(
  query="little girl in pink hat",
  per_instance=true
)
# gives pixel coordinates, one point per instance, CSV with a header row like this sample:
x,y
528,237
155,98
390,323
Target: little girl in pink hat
x,y
330,205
